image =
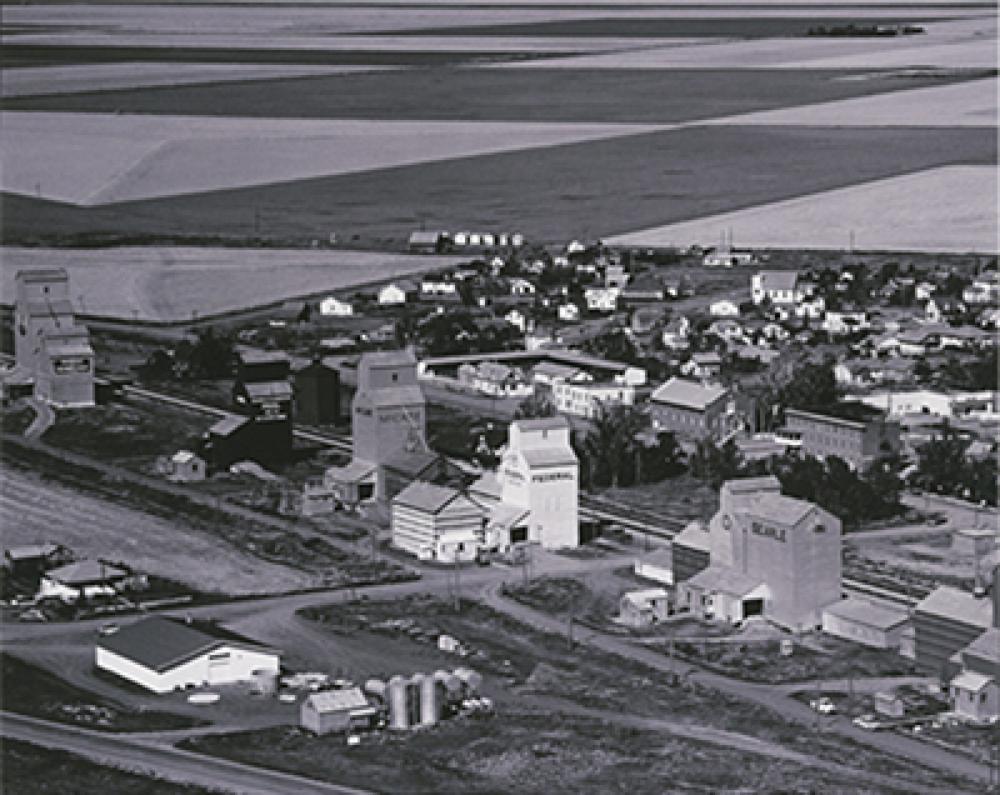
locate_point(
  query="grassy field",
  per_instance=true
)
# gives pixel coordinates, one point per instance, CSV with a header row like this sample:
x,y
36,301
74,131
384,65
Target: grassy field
x,y
29,690
577,95
643,181
32,770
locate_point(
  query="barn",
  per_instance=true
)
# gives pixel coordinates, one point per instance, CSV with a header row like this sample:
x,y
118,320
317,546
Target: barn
x,y
163,655
335,711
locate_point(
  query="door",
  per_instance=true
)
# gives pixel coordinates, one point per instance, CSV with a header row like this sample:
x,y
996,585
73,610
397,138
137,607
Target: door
x,y
753,607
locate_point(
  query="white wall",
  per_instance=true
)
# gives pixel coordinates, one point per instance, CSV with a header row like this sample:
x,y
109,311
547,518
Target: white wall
x,y
238,667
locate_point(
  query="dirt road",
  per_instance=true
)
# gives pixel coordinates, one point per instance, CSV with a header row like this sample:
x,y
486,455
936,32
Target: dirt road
x,y
143,756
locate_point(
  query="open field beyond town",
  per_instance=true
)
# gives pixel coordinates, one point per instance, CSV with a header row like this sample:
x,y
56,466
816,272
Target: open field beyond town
x,y
163,284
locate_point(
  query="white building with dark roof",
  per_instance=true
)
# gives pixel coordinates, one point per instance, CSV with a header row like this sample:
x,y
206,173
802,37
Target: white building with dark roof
x,y
163,655
84,579
693,411
780,288
436,523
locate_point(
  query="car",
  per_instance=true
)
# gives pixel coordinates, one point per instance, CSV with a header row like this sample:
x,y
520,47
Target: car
x,y
868,722
823,705
32,616
107,629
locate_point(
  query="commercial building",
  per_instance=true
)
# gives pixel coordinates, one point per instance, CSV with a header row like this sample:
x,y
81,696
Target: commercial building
x,y
945,622
162,655
263,393
877,625
85,579
975,690
48,343
857,434
27,563
317,394
776,287
769,555
437,523
694,411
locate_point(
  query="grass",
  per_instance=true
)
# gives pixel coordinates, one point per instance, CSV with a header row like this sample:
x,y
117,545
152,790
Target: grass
x,y
29,690
32,770
524,94
639,181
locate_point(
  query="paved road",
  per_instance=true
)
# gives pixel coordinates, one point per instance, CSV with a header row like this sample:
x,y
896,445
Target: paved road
x,y
769,696
143,756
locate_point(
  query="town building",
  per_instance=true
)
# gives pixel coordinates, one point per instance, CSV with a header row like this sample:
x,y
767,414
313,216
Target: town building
x,y
769,555
589,398
705,366
601,299
568,313
879,626
335,711
778,288
693,411
859,435
82,580
945,622
397,293
331,306
163,655
427,242
495,379
975,689
642,609
437,523
27,563
263,393
49,346
317,394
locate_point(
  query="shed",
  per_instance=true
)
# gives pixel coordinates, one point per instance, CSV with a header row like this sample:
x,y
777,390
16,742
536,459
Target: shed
x,y
335,711
877,625
644,608
186,467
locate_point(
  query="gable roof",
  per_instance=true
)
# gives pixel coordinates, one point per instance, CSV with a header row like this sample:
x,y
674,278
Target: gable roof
x,y
689,394
986,646
778,280
85,572
162,643
864,612
779,508
338,700
724,579
425,496
956,605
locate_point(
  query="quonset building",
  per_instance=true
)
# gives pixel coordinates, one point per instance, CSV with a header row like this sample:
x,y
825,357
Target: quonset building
x,y
767,554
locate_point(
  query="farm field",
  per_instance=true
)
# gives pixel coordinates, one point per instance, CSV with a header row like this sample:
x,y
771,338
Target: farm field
x,y
164,284
103,77
139,157
639,96
553,194
33,510
952,210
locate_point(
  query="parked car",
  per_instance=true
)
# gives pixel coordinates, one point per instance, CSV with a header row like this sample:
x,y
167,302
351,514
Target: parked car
x,y
33,616
868,722
107,629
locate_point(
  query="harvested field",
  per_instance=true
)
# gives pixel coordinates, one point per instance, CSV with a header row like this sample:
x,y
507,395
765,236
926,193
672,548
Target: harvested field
x,y
950,210
162,284
36,510
639,96
104,77
103,159
550,194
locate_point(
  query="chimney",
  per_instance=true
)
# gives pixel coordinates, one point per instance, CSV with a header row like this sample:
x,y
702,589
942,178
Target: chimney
x,y
996,596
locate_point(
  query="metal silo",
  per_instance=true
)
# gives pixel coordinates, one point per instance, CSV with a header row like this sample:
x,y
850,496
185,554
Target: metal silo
x,y
413,698
430,709
398,712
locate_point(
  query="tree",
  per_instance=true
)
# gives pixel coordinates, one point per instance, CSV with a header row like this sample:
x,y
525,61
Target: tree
x,y
662,460
615,345
538,404
211,356
611,444
813,386
714,464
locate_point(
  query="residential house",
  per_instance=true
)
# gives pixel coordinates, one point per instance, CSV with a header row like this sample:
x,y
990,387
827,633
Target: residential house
x,y
985,289
724,308
84,579
675,334
726,257
615,277
703,366
975,690
331,306
186,467
568,313
518,319
923,291
521,287
427,242
844,322
779,288
436,288
396,293
601,299
727,329
942,308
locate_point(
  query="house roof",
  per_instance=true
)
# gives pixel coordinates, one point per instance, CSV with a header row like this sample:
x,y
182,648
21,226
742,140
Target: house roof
x,y
31,552
779,280
689,394
557,423
724,579
183,457
161,643
488,486
695,536
85,572
352,473
506,515
986,646
338,700
259,390
752,485
426,496
971,680
868,613
645,595
411,462
228,425
779,508
951,603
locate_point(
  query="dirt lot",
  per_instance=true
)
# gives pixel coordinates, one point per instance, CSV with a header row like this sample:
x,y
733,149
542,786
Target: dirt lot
x,y
522,751
32,770
32,691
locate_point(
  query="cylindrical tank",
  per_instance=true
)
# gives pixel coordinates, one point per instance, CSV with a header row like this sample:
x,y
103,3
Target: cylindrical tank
x,y
470,679
398,712
375,688
264,682
413,698
452,684
430,710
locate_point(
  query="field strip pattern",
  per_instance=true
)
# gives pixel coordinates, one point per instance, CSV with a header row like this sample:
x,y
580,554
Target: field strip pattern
x,y
101,158
952,209
33,81
171,283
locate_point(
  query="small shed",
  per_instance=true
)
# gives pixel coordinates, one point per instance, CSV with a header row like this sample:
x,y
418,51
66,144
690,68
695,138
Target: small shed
x,y
335,711
644,608
877,625
186,467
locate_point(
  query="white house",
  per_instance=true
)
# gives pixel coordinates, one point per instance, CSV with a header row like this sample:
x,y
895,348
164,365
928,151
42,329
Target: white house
x,y
675,334
724,308
985,289
85,579
843,322
519,286
601,299
568,313
811,307
924,290
587,399
163,655
186,467
777,287
437,287
331,306
518,319
396,293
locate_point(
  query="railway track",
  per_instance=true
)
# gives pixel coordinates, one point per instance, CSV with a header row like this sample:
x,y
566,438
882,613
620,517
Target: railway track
x,y
661,527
